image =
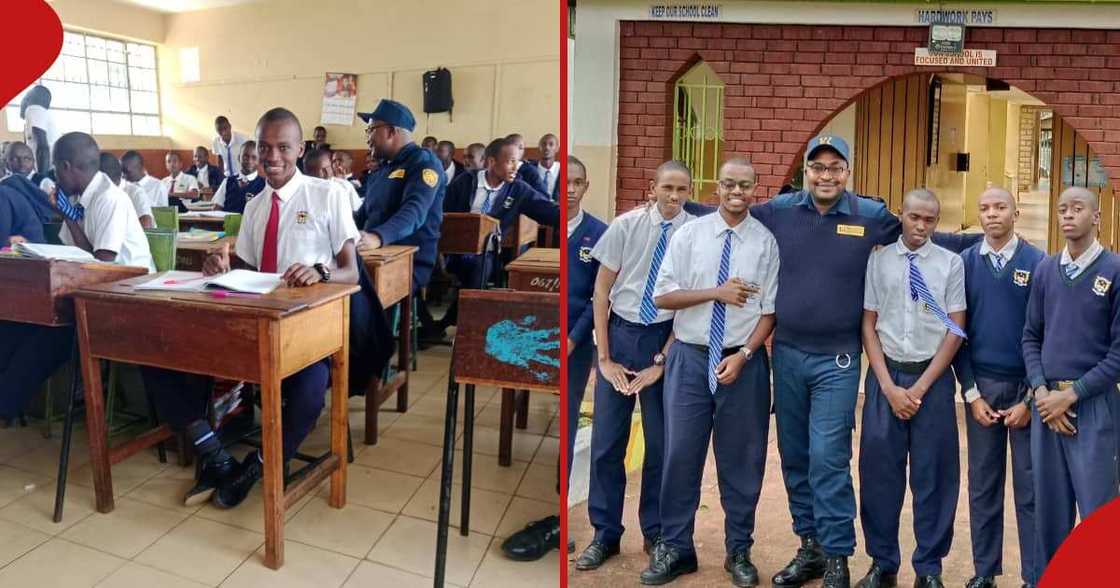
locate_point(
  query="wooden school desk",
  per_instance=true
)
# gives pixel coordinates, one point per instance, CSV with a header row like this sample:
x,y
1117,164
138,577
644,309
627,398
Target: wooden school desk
x,y
390,268
466,233
263,340
524,232
209,223
190,255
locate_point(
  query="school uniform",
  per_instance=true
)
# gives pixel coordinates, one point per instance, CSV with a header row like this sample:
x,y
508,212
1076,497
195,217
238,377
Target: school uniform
x,y
208,176
990,366
584,231
454,169
351,193
528,173
234,193
229,152
634,246
32,195
17,217
111,224
181,183
139,200
550,177
1070,341
36,116
734,418
355,182
155,190
910,330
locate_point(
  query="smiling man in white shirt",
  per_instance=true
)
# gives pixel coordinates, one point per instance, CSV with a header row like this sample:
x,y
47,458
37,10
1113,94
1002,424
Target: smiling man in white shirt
x,y
177,184
133,170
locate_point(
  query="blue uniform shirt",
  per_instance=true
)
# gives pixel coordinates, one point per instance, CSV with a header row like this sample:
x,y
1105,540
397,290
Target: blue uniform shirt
x,y
404,206
528,173
582,269
18,218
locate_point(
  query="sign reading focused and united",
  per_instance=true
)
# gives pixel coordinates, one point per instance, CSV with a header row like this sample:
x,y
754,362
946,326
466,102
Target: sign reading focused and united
x,y
966,58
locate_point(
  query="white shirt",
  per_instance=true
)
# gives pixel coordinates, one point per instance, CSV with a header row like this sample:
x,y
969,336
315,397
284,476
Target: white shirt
x,y
111,224
627,248
155,190
573,224
181,183
220,193
477,205
139,199
692,263
315,222
229,153
38,117
1084,260
1005,252
203,177
449,172
351,193
549,175
908,332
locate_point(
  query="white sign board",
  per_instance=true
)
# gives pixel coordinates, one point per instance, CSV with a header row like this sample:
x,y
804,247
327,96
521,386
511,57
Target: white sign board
x,y
971,17
967,58
676,11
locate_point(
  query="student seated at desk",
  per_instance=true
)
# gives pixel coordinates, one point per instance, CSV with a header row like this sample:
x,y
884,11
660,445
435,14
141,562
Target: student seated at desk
x,y
21,162
134,171
526,173
495,191
235,192
208,176
21,366
343,164
303,228
102,222
474,157
178,185
18,220
318,164
111,166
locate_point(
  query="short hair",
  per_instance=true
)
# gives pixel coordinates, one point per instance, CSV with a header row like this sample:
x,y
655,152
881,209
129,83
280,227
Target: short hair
x,y
429,138
315,154
250,145
175,155
277,115
130,156
345,155
446,142
110,165
547,135
1002,192
574,161
14,145
37,96
474,146
920,194
1085,193
321,127
515,137
494,149
737,160
78,149
204,150
221,120
672,165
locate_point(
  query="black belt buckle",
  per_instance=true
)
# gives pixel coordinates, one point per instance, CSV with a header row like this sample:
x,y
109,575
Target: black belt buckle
x,y
916,368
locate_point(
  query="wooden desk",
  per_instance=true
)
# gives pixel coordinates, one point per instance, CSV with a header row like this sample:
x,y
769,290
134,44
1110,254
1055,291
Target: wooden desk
x,y
465,233
208,223
38,290
263,340
390,268
524,232
190,255
537,270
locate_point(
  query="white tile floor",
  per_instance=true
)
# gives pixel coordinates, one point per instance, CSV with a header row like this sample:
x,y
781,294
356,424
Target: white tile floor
x,y
384,537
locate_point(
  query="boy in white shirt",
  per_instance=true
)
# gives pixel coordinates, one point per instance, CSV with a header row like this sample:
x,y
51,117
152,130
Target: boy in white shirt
x,y
111,166
178,185
227,145
133,170
319,164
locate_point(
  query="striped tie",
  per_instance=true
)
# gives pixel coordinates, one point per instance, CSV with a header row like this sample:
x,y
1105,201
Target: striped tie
x,y
74,212
488,201
719,313
648,312
919,291
1071,270
997,261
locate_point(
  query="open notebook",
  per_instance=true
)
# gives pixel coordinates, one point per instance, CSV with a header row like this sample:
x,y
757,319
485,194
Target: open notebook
x,y
238,280
44,251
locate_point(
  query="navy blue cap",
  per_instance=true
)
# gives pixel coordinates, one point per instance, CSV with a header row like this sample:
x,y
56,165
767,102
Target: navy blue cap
x,y
391,112
834,142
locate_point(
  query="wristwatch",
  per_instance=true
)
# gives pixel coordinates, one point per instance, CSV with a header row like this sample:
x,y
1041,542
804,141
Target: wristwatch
x,y
659,360
746,352
324,271
1028,398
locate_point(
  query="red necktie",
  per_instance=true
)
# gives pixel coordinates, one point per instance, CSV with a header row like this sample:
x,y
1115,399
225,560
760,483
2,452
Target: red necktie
x,y
271,234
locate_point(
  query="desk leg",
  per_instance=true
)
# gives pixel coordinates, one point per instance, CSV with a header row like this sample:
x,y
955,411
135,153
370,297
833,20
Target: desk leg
x,y
340,416
95,417
522,410
272,444
468,457
404,352
373,398
67,434
505,427
445,481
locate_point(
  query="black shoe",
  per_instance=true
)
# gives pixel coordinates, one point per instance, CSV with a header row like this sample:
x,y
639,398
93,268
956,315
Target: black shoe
x,y
743,573
650,543
929,582
981,582
807,565
534,541
237,486
666,564
836,573
877,578
214,473
595,555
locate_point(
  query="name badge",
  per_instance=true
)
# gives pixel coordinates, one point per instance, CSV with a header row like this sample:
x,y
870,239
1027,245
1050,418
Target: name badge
x,y
397,173
850,230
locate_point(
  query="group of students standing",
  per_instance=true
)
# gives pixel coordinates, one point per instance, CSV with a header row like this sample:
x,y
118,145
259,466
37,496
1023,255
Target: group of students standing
x,y
682,298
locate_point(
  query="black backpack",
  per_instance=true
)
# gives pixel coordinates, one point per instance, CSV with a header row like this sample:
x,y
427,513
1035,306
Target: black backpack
x,y
437,91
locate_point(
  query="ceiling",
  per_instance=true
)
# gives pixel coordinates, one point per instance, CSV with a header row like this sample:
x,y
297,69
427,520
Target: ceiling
x,y
171,6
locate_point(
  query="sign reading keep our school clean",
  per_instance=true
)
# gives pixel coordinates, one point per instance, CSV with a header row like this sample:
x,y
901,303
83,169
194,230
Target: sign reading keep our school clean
x,y
685,11
974,16
967,58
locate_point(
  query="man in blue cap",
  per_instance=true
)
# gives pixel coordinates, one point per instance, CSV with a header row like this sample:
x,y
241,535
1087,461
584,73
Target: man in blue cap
x,y
404,197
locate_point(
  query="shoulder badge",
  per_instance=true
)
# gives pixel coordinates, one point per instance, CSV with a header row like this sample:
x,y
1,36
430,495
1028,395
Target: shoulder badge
x,y
1021,277
585,254
1101,286
430,177
396,174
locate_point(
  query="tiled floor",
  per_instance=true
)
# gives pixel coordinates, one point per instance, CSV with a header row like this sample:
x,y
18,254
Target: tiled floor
x,y
384,537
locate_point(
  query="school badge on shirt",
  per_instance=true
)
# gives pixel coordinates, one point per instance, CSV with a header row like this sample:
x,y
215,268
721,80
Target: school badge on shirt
x,y
301,217
1101,286
585,254
430,178
1021,278
396,174
508,203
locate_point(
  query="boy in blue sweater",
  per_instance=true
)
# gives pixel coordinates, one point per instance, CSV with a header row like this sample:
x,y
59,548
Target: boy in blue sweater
x,y
1071,346
998,273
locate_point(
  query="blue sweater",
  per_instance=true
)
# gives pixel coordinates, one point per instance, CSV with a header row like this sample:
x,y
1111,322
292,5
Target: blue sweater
x,y
510,201
997,312
1073,327
582,269
18,218
237,197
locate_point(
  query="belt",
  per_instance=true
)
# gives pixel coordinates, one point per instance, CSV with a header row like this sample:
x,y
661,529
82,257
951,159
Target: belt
x,y
916,368
1060,384
619,321
727,351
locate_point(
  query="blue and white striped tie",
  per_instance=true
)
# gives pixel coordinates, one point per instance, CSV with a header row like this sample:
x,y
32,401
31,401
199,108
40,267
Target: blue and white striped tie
x,y
719,314
489,201
997,261
919,291
1071,270
74,212
648,311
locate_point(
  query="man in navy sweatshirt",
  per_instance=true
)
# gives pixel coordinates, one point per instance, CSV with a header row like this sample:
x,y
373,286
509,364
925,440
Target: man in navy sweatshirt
x,y
1071,346
998,274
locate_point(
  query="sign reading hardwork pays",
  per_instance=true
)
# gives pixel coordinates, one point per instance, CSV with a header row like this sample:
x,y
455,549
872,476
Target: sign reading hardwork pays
x,y
967,57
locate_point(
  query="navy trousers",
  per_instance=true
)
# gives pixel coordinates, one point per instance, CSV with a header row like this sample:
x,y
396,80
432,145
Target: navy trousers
x,y
181,399
929,442
29,354
580,363
815,411
632,346
1073,475
987,475
736,421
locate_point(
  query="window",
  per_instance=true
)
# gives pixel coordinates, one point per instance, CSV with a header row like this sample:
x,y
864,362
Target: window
x,y
698,126
100,86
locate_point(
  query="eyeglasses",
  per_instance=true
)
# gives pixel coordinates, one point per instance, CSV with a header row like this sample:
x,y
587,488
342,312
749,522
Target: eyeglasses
x,y
577,183
833,170
373,128
729,185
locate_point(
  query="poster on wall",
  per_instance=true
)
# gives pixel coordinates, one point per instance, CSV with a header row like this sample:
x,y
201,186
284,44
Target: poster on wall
x,y
340,98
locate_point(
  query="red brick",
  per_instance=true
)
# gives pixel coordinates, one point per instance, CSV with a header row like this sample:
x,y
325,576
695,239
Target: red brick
x,y
1110,99
1038,73
830,104
745,124
678,29
788,147
890,34
1093,61
1015,60
634,42
840,58
805,69
1105,74
1098,111
1089,36
1053,36
755,79
985,35
789,113
690,43
1073,49
767,135
667,42
867,70
774,125
808,58
917,34
819,92
1074,98
1071,73
751,44
802,103
766,158
629,53
859,33
835,70
770,102
815,46
871,58
1047,97
734,135
789,80
758,91
1095,87
827,33
745,68
906,47
893,71
774,68
1113,48
721,43
1110,123
766,32
816,81
1051,60
1092,135
1020,36
1111,136
779,56
793,33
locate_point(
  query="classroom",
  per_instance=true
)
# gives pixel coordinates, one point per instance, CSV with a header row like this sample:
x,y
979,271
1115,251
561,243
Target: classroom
x,y
280,295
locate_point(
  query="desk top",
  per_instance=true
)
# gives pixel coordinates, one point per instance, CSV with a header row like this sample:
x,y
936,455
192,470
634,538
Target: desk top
x,y
536,259
386,253
278,304
207,245
36,290
508,339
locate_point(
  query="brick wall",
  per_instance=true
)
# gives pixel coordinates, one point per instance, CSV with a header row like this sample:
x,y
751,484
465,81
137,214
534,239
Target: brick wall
x,y
784,82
